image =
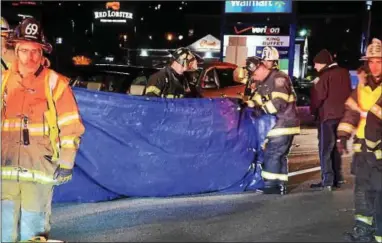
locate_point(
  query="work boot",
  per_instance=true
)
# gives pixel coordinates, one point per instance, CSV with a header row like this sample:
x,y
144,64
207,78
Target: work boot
x,y
360,234
277,189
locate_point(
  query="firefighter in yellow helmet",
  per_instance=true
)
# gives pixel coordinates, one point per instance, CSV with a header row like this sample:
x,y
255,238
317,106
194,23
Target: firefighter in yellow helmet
x,y
7,54
362,116
41,130
270,57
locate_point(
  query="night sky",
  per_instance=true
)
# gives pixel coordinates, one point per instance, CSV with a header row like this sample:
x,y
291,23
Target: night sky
x,y
336,26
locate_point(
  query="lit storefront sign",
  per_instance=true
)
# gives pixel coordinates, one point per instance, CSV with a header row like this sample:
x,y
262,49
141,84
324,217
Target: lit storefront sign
x,y
112,14
281,6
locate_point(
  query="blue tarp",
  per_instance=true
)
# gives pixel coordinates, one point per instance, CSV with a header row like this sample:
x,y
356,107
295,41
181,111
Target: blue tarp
x,y
150,147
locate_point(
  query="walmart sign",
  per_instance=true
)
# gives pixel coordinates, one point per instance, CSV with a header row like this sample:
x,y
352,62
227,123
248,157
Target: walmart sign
x,y
282,6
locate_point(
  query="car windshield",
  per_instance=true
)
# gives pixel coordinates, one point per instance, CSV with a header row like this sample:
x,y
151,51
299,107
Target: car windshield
x,y
225,76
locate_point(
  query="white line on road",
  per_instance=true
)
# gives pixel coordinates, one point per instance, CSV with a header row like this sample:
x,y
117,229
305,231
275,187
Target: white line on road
x,y
299,172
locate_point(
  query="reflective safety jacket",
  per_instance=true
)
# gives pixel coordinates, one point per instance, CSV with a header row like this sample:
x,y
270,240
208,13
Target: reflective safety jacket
x,y
277,97
373,129
361,102
41,126
167,84
6,59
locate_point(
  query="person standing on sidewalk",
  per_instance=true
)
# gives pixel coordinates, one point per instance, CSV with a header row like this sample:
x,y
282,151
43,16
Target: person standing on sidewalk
x,y
329,94
363,107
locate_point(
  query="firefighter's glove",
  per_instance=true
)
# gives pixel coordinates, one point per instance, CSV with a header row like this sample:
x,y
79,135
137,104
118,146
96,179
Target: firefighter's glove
x,y
62,175
342,146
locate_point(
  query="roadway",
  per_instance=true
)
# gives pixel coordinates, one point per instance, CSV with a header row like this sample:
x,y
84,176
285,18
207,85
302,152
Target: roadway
x,y
301,216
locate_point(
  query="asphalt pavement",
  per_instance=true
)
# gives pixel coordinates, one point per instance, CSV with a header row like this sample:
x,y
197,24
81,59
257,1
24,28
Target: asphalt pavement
x,y
301,216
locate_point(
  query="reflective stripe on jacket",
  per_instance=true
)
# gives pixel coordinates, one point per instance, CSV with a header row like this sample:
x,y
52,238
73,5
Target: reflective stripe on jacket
x,y
25,105
276,96
360,103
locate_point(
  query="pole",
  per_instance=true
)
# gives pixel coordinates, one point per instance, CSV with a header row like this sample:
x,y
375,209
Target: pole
x,y
366,29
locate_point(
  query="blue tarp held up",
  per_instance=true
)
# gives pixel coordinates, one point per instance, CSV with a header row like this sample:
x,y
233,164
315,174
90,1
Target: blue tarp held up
x,y
139,146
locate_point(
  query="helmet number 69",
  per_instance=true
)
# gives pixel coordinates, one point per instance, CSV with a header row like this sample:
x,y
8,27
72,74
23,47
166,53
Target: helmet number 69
x,y
31,29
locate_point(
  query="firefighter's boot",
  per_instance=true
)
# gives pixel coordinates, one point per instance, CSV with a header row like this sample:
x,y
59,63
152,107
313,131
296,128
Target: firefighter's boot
x,y
360,233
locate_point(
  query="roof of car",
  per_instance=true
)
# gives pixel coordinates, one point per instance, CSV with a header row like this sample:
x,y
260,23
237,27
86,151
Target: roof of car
x,y
218,64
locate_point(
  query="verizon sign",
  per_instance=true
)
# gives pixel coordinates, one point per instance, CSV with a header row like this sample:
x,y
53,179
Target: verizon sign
x,y
266,30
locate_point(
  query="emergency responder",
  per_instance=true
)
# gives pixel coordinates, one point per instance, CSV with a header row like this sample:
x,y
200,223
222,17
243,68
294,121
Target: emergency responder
x,y
360,105
270,57
170,82
328,105
274,95
373,137
41,130
7,54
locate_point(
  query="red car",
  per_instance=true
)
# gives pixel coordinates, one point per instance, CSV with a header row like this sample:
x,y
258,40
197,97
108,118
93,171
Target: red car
x,y
215,80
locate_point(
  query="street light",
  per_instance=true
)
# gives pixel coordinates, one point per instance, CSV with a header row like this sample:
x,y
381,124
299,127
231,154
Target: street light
x,y
169,37
303,32
180,37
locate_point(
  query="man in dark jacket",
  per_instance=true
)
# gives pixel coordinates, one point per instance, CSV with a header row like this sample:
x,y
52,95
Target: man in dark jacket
x,y
330,91
170,82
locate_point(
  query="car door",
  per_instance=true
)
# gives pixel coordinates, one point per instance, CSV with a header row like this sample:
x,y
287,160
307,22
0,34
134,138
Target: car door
x,y
209,86
228,87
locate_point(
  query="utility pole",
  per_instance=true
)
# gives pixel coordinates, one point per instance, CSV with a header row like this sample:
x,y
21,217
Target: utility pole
x,y
366,30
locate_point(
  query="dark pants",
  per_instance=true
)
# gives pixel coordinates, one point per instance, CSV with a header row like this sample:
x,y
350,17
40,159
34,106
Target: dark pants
x,y
330,158
367,190
276,152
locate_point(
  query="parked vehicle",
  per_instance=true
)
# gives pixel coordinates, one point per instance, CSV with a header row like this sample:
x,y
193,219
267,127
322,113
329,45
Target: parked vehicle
x,y
111,77
215,80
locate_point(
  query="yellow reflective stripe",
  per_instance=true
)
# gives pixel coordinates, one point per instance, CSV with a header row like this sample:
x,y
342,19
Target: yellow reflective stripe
x,y
280,95
66,165
274,176
257,99
292,98
353,105
173,96
270,108
69,142
345,127
378,154
357,147
68,118
378,238
153,89
12,173
372,144
360,133
3,84
366,220
60,90
34,129
51,114
283,131
377,111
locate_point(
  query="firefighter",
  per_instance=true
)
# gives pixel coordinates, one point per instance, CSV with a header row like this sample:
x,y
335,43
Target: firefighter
x,y
373,136
274,95
360,106
170,82
41,130
270,57
7,54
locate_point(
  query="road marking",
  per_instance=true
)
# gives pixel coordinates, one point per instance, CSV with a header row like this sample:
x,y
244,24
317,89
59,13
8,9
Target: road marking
x,y
299,172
